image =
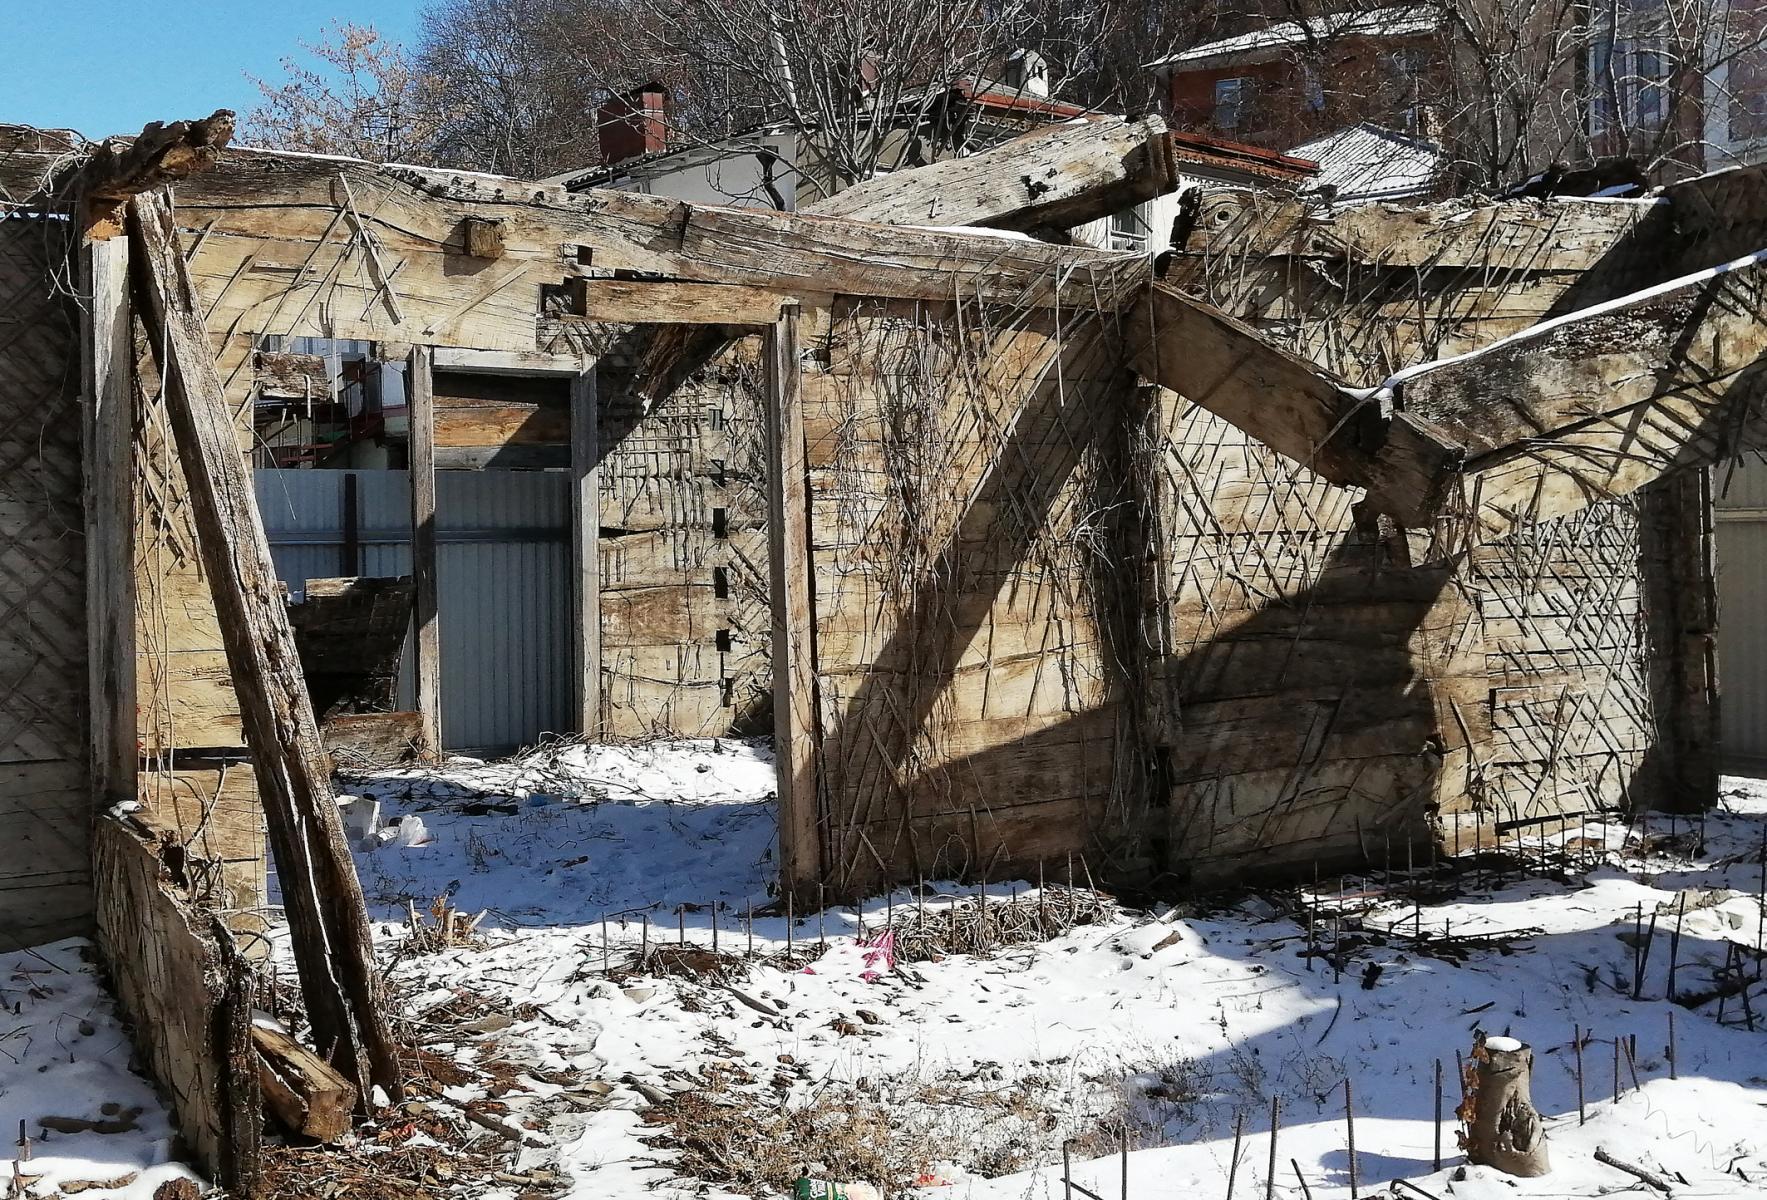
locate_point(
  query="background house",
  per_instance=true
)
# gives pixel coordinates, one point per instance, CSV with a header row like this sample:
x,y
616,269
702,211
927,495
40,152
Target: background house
x,y
775,165
1290,81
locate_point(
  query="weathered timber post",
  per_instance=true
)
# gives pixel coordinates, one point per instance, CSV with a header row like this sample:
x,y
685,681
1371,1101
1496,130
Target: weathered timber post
x,y
327,917
1503,1128
586,551
796,731
425,621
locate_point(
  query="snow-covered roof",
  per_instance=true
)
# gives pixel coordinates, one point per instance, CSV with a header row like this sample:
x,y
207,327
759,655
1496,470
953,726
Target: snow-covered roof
x,y
1396,21
1368,162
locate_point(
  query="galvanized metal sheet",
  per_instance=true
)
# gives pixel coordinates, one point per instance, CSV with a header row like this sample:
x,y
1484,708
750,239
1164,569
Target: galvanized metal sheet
x,y
503,585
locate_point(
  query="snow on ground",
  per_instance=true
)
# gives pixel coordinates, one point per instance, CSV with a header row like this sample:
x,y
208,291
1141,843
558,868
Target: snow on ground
x,y
94,1127
558,840
1175,1022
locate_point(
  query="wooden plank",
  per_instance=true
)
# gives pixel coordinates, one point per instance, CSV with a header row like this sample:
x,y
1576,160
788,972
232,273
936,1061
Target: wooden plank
x,y
506,362
188,998
1053,179
109,346
327,916
505,425
188,702
209,807
377,739
419,399
502,458
1281,399
796,728
300,1089
586,551
621,301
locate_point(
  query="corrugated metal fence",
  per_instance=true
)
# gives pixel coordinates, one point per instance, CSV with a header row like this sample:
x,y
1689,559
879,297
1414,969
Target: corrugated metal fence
x,y
1741,501
503,584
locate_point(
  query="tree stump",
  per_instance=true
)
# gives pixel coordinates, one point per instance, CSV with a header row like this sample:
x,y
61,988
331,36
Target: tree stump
x,y
1504,1129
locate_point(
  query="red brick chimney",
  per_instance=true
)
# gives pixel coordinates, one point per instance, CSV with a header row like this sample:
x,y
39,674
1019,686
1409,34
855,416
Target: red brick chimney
x,y
633,125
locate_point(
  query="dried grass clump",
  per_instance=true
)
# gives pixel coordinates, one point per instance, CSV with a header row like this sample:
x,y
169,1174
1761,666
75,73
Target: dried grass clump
x,y
759,1147
688,962
448,929
890,1132
981,925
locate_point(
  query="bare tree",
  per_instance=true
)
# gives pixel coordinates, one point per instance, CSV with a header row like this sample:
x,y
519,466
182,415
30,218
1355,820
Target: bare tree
x,y
1513,89
353,92
520,79
867,83
1102,50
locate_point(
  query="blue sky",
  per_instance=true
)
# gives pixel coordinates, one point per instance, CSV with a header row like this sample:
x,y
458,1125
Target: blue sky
x,y
111,66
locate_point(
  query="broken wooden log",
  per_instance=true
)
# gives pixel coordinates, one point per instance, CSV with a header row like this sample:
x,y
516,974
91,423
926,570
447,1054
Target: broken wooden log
x,y
301,1090
1585,407
1503,1128
1053,179
328,922
160,154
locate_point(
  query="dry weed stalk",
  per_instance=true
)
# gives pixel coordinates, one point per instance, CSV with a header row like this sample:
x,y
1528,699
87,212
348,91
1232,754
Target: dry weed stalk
x,y
980,925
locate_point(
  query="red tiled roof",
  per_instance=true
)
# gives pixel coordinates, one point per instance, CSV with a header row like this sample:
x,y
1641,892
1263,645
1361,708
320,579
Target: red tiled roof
x,y
1190,146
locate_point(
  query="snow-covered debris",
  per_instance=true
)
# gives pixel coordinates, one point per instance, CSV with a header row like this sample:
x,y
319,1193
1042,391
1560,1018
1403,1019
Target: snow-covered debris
x,y
728,1065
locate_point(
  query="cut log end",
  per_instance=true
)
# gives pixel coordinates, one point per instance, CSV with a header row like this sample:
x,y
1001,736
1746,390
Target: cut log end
x,y
301,1090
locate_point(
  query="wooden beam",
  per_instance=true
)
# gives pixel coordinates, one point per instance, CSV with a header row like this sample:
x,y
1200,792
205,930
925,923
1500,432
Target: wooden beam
x,y
1593,405
159,155
1716,217
420,404
301,1090
273,222
1053,179
631,302
109,346
586,550
506,362
1559,235
328,919
797,732
1280,398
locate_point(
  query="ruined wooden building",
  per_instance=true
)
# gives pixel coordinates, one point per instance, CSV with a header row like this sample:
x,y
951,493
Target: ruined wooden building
x,y
1327,532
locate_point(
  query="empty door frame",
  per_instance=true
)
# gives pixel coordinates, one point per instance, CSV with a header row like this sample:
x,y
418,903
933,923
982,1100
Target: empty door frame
x,y
585,568
797,724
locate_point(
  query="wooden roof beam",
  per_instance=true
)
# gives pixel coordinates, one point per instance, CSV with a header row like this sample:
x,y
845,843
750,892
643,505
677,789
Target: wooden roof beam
x,y
627,235
1346,436
1588,406
1050,180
